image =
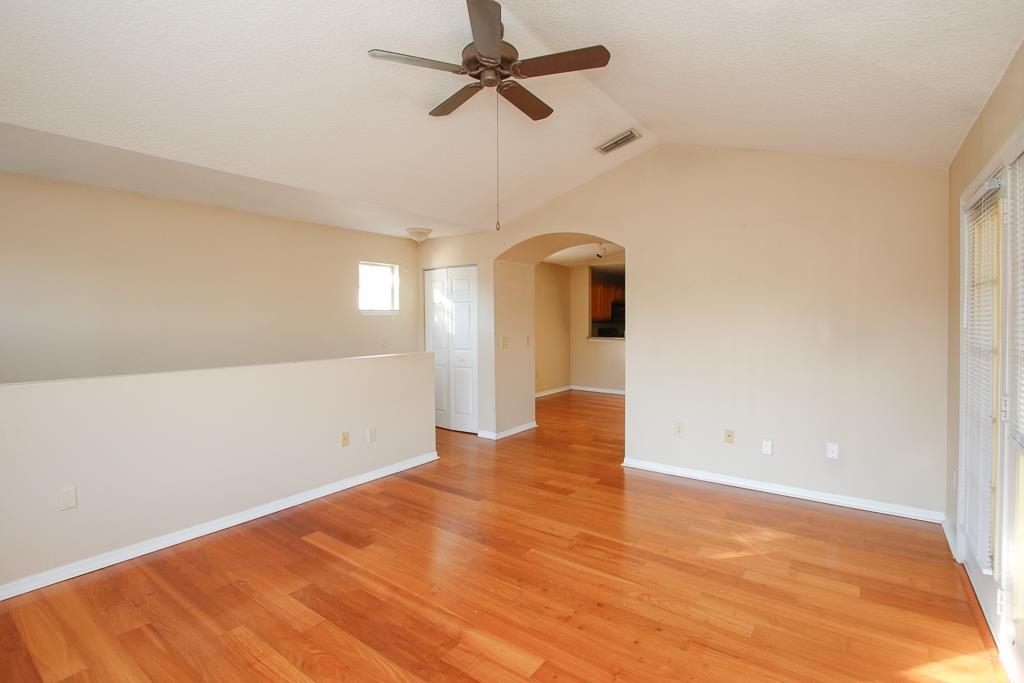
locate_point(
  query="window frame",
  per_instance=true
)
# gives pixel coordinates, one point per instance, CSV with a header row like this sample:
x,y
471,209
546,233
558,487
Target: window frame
x,y
396,289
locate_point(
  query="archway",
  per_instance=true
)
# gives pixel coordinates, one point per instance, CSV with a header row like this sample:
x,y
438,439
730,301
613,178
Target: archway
x,y
597,347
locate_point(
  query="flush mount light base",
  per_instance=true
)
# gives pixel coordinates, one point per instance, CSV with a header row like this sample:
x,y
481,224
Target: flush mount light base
x,y
419,234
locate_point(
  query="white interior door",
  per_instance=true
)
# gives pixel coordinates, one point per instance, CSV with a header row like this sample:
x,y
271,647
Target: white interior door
x,y
450,317
436,338
462,348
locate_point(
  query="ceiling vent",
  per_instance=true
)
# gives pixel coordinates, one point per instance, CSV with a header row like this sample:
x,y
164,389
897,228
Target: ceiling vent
x,y
620,140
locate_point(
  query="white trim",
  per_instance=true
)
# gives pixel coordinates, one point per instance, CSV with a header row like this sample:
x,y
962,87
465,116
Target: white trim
x,y
947,529
90,564
985,591
599,390
549,392
790,491
508,432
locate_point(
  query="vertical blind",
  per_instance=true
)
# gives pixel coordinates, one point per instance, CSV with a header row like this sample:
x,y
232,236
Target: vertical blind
x,y
981,381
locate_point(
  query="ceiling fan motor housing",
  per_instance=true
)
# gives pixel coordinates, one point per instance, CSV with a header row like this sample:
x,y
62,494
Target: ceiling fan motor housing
x,y
490,75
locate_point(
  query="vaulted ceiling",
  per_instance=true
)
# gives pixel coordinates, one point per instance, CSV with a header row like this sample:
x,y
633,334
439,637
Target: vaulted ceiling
x,y
273,105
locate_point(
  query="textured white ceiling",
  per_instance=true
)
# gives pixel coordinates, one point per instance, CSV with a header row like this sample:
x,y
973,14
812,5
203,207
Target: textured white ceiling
x,y
279,100
284,92
891,80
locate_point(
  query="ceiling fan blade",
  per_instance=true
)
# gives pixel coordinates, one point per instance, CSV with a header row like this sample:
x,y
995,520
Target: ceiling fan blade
x,y
456,100
524,100
562,62
416,61
485,20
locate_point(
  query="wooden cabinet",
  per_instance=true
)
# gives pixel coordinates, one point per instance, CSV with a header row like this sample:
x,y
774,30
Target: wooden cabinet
x,y
602,294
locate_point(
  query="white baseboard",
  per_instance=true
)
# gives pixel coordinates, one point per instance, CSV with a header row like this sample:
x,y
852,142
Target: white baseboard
x,y
495,436
947,529
90,564
548,392
791,491
599,390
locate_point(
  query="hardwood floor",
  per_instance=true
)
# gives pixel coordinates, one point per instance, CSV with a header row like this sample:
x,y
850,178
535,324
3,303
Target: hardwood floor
x,y
536,557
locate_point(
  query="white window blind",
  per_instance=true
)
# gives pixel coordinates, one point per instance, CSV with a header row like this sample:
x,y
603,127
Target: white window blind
x,y
1016,227
981,380
378,287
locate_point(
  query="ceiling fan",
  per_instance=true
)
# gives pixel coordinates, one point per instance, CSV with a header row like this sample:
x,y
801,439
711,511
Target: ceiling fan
x,y
492,63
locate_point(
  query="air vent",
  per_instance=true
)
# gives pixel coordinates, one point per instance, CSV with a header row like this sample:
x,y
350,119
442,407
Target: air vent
x,y
619,140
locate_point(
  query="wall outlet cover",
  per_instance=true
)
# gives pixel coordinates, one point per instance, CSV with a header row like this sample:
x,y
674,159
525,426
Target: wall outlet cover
x,y
67,498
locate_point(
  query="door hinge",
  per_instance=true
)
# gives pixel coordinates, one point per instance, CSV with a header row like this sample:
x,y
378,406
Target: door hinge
x,y
1000,601
1004,409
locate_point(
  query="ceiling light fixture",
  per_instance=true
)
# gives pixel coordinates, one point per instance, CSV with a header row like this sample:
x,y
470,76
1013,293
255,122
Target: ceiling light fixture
x,y
419,234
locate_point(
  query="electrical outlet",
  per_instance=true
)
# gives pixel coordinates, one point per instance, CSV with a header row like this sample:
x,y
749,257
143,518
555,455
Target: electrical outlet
x,y
767,447
371,434
67,498
730,436
345,440
679,430
832,451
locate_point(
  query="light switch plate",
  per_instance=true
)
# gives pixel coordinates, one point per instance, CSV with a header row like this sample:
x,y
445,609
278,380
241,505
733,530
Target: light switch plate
x,y
832,451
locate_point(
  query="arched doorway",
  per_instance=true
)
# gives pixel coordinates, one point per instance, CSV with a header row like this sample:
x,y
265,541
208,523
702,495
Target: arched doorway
x,y
559,330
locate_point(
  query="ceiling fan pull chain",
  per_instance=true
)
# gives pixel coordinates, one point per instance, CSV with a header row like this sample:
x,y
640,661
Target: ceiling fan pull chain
x,y
498,164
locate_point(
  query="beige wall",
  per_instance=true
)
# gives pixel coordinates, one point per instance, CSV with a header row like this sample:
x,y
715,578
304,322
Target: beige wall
x,y
596,363
153,454
514,363
97,282
1002,116
788,297
551,327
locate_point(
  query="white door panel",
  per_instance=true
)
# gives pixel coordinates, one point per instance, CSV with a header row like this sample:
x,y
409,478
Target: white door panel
x,y
451,319
435,314
462,395
462,332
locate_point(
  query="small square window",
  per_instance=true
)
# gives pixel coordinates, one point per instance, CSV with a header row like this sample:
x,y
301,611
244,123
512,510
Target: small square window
x,y
378,287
